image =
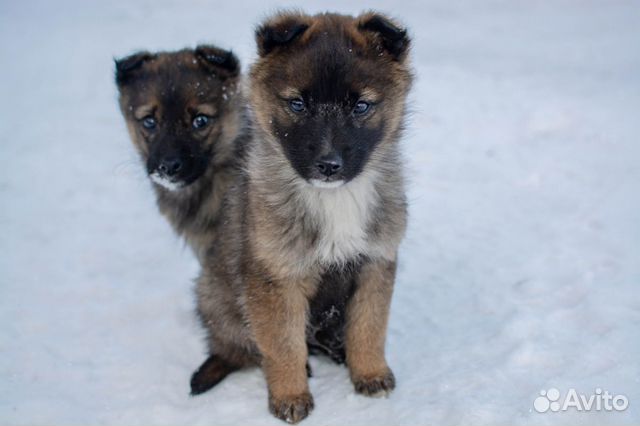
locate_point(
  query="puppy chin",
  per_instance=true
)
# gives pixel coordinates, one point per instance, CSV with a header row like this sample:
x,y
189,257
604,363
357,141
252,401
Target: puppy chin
x,y
165,182
326,185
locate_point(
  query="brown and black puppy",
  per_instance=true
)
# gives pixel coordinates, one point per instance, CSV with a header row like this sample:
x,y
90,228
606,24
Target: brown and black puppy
x,y
307,257
187,119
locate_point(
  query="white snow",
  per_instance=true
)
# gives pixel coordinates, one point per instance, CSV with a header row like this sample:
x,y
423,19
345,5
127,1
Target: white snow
x,y
521,267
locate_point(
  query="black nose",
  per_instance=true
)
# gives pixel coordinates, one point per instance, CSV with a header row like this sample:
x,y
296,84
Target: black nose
x,y
170,166
329,164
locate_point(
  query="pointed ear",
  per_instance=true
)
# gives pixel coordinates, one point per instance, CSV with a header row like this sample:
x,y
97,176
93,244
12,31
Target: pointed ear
x,y
279,31
394,38
222,63
127,66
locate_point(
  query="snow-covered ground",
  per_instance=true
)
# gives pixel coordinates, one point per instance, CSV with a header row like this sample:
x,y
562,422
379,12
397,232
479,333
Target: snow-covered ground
x,y
520,271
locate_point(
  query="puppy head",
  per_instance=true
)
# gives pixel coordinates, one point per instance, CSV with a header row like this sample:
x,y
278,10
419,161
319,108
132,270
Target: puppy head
x,y
179,107
330,90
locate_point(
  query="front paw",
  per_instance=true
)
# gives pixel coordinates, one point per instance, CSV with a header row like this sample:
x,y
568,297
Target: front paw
x,y
375,386
291,409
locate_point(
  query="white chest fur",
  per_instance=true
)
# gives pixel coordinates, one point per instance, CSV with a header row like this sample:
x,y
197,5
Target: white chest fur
x,y
342,215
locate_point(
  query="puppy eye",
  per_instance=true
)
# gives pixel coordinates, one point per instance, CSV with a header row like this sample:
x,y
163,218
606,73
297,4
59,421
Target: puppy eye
x,y
200,121
149,122
296,105
361,108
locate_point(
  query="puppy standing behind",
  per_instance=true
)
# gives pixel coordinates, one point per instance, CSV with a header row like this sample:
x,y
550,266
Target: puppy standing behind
x,y
307,257
186,117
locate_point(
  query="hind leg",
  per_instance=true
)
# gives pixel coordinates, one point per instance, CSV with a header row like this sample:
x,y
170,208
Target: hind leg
x,y
210,373
224,360
229,352
228,338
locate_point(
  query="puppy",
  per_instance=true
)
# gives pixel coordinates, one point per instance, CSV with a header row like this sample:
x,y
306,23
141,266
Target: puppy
x,y
187,119
307,257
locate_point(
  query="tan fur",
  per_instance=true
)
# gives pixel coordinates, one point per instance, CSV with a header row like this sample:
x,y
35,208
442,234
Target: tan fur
x,y
277,315
366,328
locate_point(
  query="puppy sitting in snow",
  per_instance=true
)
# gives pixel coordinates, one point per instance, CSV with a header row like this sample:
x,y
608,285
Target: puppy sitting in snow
x,y
307,257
